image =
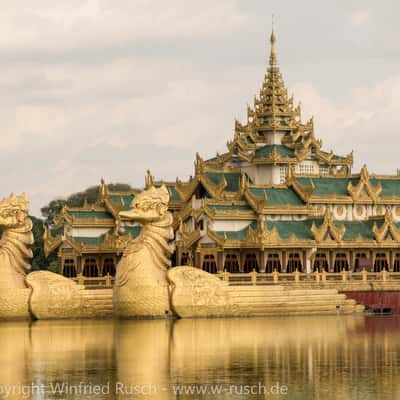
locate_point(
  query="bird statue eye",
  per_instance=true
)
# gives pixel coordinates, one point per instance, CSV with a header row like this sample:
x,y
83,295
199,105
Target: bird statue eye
x,y
4,213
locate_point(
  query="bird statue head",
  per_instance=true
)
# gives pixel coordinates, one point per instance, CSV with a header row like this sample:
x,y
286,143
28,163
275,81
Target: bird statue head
x,y
151,205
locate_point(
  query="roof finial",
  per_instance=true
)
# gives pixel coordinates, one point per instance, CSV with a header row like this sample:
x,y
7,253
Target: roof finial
x,y
103,188
149,179
272,57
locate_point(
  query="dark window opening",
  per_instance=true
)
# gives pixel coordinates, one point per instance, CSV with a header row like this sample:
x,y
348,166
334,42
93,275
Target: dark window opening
x,y
250,263
69,269
209,264
231,263
90,268
273,262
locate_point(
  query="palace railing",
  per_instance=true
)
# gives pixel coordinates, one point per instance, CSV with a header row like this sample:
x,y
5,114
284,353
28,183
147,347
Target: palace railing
x,y
280,278
259,278
101,282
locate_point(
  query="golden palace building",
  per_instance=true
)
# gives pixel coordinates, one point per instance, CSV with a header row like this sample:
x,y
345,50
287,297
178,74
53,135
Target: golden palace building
x,y
274,200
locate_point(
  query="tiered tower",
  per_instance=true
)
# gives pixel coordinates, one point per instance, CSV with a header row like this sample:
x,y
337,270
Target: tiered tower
x,y
274,138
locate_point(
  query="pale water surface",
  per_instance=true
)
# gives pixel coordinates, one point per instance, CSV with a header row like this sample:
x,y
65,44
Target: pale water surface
x,y
311,358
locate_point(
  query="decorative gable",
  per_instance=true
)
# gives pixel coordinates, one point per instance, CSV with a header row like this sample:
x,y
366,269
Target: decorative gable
x,y
388,230
328,231
364,190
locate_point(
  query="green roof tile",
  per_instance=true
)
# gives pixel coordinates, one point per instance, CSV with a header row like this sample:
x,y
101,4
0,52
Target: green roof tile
x,y
390,187
98,240
225,207
278,196
300,229
133,230
232,179
126,199
249,139
267,150
174,196
90,214
89,241
328,186
358,228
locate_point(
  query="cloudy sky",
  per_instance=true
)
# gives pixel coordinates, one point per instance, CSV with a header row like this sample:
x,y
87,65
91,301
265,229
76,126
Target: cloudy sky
x,y
109,88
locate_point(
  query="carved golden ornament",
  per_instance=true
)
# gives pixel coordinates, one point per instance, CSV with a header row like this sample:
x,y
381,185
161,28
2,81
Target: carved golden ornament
x,y
328,231
397,211
387,231
262,235
149,180
255,202
359,211
50,243
380,210
364,188
305,192
340,211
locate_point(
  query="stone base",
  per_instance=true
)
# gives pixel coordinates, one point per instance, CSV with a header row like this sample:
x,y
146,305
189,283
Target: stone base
x,y
56,297
141,301
14,304
196,293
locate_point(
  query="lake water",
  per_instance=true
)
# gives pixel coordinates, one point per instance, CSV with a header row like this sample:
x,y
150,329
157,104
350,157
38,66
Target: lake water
x,y
263,358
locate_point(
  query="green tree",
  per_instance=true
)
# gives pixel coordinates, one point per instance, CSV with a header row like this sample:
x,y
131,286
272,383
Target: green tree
x,y
39,260
52,209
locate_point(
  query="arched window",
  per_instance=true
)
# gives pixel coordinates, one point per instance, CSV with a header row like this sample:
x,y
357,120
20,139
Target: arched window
x,y
109,267
90,268
294,262
360,262
341,263
250,263
396,264
185,258
381,262
320,262
209,264
69,269
231,263
273,262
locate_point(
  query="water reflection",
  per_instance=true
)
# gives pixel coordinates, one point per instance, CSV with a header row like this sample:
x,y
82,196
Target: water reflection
x,y
316,357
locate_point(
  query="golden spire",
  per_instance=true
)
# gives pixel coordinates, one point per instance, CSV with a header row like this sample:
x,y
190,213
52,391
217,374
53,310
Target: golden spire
x,y
272,55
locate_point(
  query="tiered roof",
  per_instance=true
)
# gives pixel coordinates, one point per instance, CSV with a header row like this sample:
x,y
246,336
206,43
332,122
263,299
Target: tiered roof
x,y
227,192
273,111
102,214
378,232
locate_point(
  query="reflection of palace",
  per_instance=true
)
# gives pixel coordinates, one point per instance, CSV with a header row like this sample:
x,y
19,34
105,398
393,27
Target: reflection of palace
x,y
273,200
357,356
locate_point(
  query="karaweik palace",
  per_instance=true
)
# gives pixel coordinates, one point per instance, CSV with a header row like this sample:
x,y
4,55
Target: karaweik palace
x,y
274,200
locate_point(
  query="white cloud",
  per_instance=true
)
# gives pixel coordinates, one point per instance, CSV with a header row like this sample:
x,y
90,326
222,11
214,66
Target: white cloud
x,y
59,25
92,88
367,121
360,17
